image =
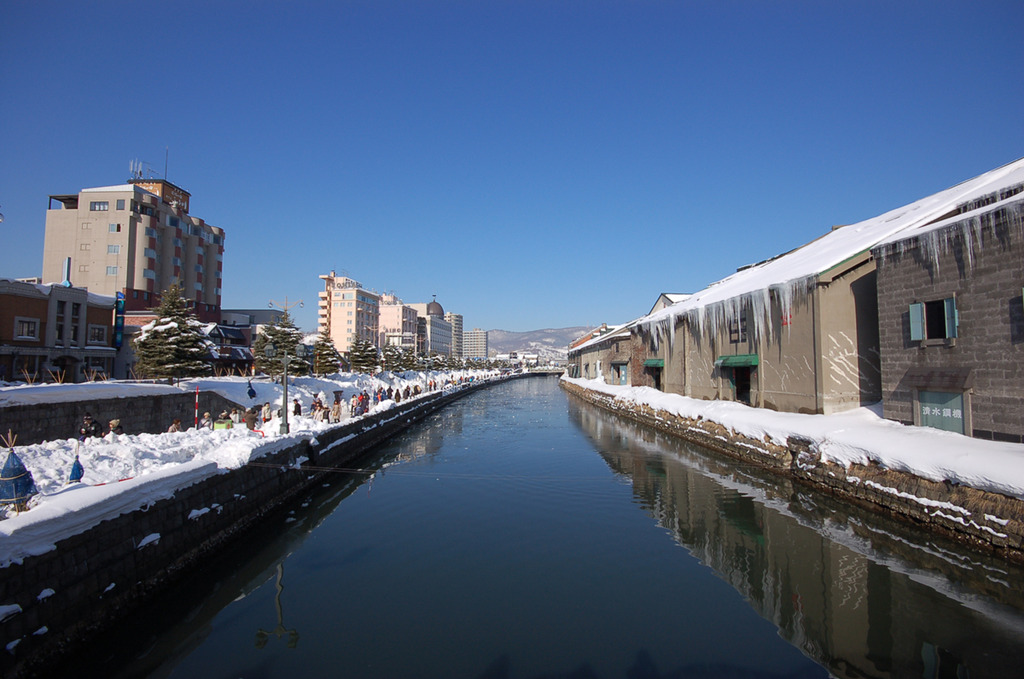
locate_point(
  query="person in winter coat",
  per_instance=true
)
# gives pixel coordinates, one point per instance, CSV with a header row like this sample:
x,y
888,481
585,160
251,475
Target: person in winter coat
x,y
355,405
115,427
250,418
206,422
175,426
236,417
296,407
90,428
266,413
336,409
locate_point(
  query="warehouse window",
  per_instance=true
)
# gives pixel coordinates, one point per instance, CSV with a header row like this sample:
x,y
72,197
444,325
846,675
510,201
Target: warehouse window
x,y
937,319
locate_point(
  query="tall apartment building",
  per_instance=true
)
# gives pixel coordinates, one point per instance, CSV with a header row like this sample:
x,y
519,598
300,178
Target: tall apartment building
x,y
138,239
348,311
474,344
437,331
397,323
455,320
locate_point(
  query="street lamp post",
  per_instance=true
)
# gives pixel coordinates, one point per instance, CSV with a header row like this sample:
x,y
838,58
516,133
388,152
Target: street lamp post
x,y
270,351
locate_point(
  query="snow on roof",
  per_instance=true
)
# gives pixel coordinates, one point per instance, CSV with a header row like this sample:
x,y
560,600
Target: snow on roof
x,y
45,289
1013,203
116,188
597,339
793,273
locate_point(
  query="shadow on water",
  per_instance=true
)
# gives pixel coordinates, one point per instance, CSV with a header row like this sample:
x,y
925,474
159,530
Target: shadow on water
x,y
142,644
863,595
643,667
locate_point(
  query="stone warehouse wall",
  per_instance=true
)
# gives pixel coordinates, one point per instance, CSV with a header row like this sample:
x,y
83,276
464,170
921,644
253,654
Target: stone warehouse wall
x,y
90,579
984,362
152,414
986,521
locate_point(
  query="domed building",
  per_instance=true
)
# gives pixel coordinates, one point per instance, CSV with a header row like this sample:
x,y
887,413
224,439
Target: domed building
x,y
435,309
437,332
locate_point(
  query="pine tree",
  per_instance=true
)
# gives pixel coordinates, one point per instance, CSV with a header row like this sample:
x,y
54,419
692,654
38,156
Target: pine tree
x,y
325,356
408,361
285,337
363,356
172,345
391,358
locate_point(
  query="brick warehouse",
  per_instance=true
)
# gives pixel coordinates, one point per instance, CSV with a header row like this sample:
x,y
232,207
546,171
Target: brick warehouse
x,y
951,320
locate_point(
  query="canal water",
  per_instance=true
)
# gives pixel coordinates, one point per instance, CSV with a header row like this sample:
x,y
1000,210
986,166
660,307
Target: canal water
x,y
522,533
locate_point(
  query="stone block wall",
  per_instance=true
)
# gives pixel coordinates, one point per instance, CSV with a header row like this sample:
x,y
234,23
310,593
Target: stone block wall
x,y
986,361
985,521
152,414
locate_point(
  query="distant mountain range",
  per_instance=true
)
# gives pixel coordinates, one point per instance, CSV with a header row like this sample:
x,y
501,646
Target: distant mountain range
x,y
548,344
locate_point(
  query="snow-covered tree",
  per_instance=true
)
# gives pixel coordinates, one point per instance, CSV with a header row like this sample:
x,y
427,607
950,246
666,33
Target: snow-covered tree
x,y
173,344
325,357
363,356
409,361
285,338
432,361
391,358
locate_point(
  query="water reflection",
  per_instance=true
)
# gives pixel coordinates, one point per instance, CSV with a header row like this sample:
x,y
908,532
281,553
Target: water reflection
x,y
148,645
862,595
262,635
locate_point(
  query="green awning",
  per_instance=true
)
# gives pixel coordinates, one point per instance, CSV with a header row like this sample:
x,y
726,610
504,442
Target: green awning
x,y
737,361
654,363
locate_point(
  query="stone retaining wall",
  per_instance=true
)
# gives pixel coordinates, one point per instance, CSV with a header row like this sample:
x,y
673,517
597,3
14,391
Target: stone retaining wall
x,y
150,414
73,592
982,520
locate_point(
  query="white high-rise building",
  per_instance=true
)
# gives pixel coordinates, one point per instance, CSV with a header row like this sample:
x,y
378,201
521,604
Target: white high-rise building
x,y
474,344
456,322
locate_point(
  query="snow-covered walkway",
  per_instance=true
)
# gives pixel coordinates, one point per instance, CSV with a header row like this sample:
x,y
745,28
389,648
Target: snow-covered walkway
x,y
858,436
130,471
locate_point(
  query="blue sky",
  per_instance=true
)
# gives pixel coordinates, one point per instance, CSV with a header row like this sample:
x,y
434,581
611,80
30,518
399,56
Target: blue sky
x,y
533,164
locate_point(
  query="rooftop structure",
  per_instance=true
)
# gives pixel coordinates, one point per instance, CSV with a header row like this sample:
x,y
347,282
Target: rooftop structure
x,y
137,239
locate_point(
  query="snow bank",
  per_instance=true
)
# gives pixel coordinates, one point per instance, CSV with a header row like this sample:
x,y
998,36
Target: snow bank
x,y
127,472
23,394
858,436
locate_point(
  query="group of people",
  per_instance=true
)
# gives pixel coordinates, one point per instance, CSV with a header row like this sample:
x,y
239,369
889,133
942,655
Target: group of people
x,y
247,416
93,429
341,409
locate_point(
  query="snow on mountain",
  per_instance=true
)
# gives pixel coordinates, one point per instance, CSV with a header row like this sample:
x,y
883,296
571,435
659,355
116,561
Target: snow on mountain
x,y
548,344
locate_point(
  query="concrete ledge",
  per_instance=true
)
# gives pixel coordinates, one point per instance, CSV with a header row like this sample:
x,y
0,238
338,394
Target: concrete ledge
x,y
92,579
981,520
151,414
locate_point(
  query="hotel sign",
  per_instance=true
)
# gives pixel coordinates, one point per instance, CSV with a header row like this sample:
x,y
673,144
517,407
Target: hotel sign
x,y
167,191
